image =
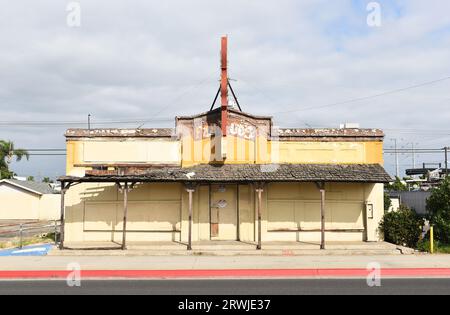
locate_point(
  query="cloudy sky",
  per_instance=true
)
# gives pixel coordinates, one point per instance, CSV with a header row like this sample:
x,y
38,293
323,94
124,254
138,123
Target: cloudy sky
x,y
134,61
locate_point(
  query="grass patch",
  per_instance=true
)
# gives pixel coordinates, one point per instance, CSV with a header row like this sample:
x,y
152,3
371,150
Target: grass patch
x,y
439,248
15,243
443,249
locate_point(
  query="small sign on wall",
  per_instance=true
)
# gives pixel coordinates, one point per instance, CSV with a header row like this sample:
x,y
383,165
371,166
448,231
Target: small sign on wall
x,y
221,204
369,210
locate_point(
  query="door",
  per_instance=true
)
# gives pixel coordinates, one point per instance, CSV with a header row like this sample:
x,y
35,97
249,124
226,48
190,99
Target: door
x,y
224,217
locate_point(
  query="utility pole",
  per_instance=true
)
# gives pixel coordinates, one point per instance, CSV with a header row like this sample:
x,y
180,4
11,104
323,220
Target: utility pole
x,y
446,160
89,122
413,155
397,169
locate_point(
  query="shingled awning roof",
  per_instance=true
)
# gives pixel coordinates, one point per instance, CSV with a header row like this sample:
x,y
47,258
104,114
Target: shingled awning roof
x,y
245,173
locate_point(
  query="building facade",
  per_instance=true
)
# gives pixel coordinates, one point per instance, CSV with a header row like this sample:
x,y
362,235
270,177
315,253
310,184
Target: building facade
x,y
28,201
223,175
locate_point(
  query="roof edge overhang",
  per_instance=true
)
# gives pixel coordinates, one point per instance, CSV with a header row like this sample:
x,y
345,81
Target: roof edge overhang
x,y
141,179
21,187
151,133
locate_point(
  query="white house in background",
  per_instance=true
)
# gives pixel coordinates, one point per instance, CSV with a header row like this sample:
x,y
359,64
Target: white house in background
x,y
26,200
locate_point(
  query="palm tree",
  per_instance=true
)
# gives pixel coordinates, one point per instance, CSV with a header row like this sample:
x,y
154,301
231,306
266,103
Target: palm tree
x,y
7,153
47,180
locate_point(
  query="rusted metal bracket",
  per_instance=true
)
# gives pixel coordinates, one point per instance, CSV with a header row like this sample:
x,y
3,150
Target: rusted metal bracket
x,y
320,185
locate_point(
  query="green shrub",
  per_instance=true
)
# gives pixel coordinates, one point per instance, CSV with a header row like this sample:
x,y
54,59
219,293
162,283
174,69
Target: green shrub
x,y
402,227
423,245
438,207
387,202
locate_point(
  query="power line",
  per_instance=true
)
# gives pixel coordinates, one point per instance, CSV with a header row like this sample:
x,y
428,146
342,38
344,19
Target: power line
x,y
44,150
47,154
39,123
170,103
366,97
143,121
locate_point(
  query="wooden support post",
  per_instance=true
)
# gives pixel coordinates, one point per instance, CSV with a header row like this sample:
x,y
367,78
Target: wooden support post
x,y
259,191
191,191
125,216
321,187
322,218
62,219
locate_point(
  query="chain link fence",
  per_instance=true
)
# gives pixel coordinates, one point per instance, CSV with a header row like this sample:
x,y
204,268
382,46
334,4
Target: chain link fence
x,y
24,232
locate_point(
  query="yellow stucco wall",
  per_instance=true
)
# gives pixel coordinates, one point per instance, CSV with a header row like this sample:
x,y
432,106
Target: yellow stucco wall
x,y
94,212
261,151
85,152
290,207
159,212
187,152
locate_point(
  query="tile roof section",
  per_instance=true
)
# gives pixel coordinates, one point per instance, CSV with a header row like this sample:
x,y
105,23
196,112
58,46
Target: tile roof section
x,y
363,173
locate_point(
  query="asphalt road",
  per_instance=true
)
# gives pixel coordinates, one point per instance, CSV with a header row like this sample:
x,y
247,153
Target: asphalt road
x,y
229,287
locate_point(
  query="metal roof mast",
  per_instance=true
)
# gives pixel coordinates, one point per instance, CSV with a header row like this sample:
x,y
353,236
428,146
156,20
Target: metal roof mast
x,y
224,85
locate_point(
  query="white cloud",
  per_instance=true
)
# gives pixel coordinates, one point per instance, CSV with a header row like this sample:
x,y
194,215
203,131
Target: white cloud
x,y
134,59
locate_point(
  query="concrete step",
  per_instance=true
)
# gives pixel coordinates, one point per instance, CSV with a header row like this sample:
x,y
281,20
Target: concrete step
x,y
247,252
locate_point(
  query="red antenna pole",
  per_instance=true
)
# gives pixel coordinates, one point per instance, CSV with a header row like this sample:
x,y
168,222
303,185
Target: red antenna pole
x,y
224,84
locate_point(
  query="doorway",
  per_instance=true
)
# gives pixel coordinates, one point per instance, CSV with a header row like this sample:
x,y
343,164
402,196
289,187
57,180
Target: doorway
x,y
224,220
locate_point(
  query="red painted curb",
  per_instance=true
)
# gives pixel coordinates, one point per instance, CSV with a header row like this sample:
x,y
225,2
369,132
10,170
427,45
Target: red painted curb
x,y
228,273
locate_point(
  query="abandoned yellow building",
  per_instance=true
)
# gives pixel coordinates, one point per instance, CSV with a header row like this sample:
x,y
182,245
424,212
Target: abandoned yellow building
x,y
223,175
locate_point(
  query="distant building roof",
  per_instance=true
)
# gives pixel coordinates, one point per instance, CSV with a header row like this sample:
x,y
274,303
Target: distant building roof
x,y
37,188
363,173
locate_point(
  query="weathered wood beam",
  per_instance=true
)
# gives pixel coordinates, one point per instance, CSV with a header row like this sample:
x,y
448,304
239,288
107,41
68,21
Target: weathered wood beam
x,y
64,188
190,189
321,187
125,216
62,218
259,191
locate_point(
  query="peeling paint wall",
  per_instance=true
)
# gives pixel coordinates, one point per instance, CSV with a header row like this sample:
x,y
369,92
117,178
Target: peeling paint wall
x,y
159,212
83,154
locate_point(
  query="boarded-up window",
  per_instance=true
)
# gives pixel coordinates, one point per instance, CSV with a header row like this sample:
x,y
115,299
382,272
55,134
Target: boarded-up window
x,y
145,216
293,206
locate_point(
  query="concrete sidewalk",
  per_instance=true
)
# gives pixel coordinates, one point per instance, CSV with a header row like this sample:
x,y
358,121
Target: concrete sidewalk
x,y
222,263
230,248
